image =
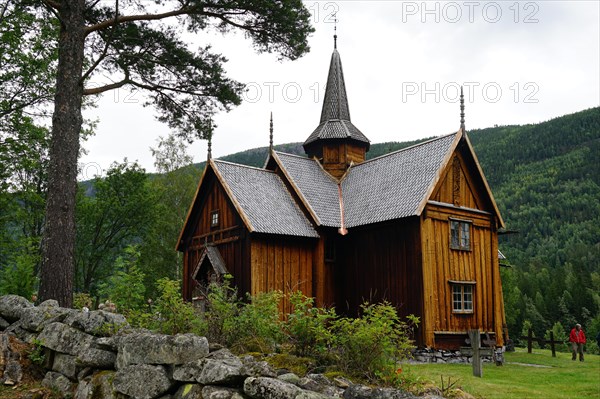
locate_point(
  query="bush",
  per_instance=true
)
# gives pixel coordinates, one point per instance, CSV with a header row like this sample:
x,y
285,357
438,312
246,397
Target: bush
x,y
370,346
251,326
171,314
81,300
126,287
308,327
259,323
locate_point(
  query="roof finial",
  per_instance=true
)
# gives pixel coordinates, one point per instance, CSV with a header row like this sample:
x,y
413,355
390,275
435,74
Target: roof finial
x,y
209,152
462,109
335,30
271,133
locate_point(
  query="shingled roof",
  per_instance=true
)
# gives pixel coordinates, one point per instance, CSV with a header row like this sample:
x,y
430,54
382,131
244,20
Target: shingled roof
x,y
263,200
314,185
395,185
335,116
392,186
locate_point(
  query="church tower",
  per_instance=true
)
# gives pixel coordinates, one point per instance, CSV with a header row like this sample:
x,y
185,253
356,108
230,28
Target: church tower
x,y
336,142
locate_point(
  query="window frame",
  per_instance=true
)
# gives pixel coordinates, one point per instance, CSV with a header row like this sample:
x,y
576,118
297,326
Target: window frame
x,y
460,237
466,296
215,215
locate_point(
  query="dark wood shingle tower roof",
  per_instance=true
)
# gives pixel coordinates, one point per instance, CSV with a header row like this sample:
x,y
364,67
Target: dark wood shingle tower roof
x,y
336,142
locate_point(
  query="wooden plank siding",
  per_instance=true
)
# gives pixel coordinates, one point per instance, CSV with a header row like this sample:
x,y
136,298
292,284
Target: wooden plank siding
x,y
282,263
461,197
229,237
337,156
381,262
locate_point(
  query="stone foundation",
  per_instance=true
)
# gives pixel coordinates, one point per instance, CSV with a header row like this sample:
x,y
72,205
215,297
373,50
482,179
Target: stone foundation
x,y
428,355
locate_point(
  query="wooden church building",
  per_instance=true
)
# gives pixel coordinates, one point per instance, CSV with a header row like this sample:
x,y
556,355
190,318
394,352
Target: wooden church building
x,y
417,227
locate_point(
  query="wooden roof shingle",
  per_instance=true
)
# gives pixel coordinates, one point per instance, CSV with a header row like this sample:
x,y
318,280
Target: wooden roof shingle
x,y
263,200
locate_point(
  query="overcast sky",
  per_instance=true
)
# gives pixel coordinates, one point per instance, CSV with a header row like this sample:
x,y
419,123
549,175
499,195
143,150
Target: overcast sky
x,y
520,62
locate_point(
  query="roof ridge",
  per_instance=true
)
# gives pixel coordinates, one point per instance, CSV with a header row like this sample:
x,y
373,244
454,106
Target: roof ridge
x,y
292,155
242,165
406,148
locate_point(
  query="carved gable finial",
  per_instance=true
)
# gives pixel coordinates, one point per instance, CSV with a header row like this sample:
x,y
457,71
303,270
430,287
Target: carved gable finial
x,y
271,134
462,109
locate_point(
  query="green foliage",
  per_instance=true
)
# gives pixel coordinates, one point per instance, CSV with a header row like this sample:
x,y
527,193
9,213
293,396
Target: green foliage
x,y
560,334
545,178
243,326
19,277
370,346
125,288
309,327
37,355
172,314
173,190
527,325
118,213
81,300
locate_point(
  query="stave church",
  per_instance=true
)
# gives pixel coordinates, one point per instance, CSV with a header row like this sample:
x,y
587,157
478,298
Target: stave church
x,y
417,227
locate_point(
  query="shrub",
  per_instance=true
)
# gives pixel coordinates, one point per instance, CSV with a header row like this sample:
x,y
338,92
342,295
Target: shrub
x,y
370,346
308,327
259,323
251,326
126,287
171,314
81,300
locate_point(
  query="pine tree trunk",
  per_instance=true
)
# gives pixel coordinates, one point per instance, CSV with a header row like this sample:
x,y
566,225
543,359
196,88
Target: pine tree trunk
x,y
56,275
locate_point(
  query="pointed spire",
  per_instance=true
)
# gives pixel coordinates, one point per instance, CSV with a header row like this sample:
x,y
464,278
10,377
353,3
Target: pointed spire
x,y
335,115
271,134
462,109
335,104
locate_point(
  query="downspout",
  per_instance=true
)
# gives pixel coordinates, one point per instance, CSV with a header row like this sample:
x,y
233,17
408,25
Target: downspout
x,y
342,230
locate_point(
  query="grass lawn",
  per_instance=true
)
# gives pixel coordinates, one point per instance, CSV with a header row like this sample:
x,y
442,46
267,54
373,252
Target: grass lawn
x,y
521,377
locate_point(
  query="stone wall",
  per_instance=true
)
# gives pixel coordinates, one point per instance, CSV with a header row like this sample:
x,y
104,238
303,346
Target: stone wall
x,y
85,359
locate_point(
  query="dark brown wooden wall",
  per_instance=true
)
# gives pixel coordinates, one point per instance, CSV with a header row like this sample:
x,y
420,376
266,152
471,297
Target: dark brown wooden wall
x,y
381,262
230,237
282,263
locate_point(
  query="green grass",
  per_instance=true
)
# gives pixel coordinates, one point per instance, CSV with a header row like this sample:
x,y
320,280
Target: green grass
x,y
561,378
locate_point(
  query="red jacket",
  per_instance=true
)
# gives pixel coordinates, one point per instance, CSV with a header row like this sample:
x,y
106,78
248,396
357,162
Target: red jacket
x,y
577,337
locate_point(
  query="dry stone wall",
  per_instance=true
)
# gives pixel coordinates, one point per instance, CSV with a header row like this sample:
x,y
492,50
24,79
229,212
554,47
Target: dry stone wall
x,y
85,362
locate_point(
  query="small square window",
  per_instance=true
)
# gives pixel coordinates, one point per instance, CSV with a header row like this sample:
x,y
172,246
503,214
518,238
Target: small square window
x,y
214,219
462,298
460,234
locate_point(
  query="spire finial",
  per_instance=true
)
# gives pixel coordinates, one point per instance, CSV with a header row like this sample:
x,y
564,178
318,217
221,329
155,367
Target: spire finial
x,y
209,152
462,109
271,133
335,30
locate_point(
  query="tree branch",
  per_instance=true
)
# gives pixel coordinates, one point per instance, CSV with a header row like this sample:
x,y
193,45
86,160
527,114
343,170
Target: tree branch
x,y
142,17
102,89
52,4
106,46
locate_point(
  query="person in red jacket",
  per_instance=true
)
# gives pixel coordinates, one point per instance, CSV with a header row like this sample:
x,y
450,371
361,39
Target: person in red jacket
x,y
577,339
